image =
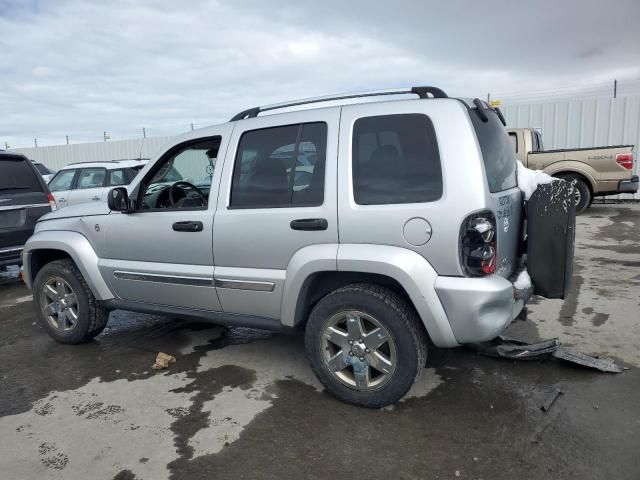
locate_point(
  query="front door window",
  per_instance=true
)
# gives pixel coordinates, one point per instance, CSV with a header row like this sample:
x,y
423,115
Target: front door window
x,y
182,180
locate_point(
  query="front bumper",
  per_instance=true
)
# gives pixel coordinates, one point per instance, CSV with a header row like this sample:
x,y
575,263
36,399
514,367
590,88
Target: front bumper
x,y
479,309
10,256
629,186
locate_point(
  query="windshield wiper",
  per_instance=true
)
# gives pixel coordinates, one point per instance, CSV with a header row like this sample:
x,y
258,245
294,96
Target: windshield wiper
x,y
17,187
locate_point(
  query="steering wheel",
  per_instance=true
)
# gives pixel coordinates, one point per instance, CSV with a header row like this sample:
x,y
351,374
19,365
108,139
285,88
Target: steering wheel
x,y
172,190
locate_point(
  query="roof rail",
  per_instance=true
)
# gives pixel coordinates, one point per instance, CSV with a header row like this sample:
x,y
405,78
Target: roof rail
x,y
110,161
422,92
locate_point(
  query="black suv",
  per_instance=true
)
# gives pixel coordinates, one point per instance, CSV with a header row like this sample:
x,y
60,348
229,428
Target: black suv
x,y
24,198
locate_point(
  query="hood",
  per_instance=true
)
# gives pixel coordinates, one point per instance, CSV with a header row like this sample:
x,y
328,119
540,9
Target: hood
x,y
80,210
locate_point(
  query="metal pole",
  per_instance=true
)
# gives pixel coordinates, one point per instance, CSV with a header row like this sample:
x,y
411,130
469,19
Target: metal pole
x,y
615,88
191,125
67,139
35,141
104,136
6,145
489,98
144,133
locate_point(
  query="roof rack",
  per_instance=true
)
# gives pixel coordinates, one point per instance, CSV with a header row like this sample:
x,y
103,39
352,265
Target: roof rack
x,y
422,92
108,161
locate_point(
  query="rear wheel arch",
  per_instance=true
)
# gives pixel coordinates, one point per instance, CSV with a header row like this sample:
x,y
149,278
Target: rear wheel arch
x,y
587,180
319,284
584,190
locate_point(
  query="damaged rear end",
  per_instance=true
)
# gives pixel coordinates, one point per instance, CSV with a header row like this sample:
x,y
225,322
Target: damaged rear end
x,y
493,253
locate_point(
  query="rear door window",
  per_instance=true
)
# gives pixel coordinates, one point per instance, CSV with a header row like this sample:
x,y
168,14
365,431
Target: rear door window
x,y
17,176
497,151
280,167
91,178
117,177
62,181
395,160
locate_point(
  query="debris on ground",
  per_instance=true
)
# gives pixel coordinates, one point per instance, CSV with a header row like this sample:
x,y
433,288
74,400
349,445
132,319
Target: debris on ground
x,y
602,364
550,400
514,349
163,360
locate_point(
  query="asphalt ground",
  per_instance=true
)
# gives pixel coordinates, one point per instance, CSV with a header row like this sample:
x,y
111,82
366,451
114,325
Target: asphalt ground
x,y
242,403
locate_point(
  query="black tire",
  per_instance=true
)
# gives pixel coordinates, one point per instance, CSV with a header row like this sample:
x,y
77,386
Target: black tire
x,y
395,315
583,190
92,318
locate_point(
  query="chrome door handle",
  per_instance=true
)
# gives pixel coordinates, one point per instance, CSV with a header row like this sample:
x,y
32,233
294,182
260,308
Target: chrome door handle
x,y
62,200
96,198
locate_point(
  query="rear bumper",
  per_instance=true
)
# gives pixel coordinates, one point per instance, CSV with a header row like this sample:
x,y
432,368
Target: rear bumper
x,y
479,309
10,256
629,186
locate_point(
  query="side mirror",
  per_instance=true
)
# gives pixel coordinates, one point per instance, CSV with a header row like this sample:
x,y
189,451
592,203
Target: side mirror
x,y
118,200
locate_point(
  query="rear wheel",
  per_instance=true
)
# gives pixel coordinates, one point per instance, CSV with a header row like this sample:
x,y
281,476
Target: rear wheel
x,y
67,308
581,191
365,345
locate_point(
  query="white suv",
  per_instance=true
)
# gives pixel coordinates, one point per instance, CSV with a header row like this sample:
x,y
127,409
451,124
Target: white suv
x,y
90,181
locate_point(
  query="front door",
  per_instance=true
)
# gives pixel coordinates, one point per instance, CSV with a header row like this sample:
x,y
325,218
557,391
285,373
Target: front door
x,y
162,253
278,197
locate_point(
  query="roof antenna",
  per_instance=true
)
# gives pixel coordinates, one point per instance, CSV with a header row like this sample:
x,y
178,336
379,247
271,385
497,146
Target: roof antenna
x,y
141,145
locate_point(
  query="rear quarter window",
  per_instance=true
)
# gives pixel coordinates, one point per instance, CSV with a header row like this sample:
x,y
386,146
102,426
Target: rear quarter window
x,y
17,176
395,160
497,151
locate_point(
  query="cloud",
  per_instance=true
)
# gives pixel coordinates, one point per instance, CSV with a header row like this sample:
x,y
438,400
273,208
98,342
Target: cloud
x,y
78,68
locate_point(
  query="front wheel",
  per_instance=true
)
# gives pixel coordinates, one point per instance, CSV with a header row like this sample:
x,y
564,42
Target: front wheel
x,y
365,344
66,306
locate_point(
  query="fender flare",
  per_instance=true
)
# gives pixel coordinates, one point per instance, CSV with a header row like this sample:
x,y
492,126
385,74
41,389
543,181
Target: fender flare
x,y
411,270
304,263
78,248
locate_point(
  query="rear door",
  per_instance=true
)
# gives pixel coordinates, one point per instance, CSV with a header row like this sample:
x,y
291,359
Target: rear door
x,y
89,187
278,197
61,186
23,199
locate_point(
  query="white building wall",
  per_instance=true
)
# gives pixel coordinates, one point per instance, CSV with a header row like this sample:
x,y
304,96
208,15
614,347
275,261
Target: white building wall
x,y
590,122
57,156
582,123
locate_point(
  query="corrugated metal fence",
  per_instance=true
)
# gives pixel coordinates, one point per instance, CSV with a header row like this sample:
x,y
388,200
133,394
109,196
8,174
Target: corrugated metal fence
x,y
582,123
57,156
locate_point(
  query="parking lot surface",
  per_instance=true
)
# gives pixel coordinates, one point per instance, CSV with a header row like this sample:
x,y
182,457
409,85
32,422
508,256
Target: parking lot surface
x,y
242,403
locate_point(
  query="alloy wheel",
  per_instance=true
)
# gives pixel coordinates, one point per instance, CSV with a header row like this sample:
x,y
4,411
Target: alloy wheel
x,y
358,350
59,304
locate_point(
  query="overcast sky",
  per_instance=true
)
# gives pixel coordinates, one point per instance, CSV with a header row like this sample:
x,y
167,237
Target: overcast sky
x,y
80,67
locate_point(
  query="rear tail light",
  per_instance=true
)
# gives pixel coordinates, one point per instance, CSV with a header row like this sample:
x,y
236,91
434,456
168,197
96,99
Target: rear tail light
x,y
625,160
478,253
52,202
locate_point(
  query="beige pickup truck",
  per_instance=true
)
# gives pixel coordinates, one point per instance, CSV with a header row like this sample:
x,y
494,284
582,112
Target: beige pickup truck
x,y
598,171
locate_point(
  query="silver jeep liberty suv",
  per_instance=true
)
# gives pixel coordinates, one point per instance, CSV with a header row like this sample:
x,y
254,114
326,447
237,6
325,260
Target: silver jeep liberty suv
x,y
375,226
